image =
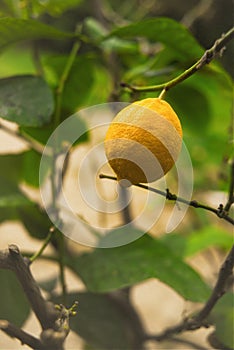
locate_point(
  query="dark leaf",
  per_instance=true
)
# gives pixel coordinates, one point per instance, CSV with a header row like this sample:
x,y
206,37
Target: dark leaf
x,y
31,165
78,83
10,194
222,317
109,269
18,29
13,303
101,322
26,100
35,221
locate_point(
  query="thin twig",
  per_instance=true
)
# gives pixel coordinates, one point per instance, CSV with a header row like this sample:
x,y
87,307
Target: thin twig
x,y
44,245
207,57
188,343
35,145
200,320
56,187
61,252
15,332
220,212
230,200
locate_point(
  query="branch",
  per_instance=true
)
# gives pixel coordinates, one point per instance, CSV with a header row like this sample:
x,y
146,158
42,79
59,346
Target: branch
x,y
44,310
230,200
220,211
54,319
220,288
207,57
199,320
15,332
53,339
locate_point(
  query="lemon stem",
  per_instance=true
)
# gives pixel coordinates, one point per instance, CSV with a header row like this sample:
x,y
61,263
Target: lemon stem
x,y
162,94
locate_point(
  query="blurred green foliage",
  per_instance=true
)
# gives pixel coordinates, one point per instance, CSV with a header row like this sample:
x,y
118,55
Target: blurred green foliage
x,y
129,43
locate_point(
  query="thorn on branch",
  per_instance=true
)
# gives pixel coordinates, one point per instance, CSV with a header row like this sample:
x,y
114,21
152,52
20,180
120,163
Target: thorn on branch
x,y
170,196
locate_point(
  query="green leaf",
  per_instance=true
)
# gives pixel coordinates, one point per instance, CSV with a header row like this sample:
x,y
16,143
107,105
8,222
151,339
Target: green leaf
x,y
11,167
222,316
35,220
54,7
108,269
31,165
205,99
8,213
76,126
10,196
101,78
94,29
13,303
17,29
101,322
10,176
197,241
40,134
24,64
26,100
207,237
166,31
78,83
182,98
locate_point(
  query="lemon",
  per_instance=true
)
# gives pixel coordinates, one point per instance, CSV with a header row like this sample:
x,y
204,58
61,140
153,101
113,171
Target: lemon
x,y
143,141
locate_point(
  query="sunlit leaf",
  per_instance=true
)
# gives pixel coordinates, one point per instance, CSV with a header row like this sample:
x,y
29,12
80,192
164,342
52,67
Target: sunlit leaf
x,y
198,240
164,30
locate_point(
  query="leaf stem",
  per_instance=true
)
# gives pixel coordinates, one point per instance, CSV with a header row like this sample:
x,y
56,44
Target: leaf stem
x,y
207,57
63,79
45,244
18,333
220,212
56,187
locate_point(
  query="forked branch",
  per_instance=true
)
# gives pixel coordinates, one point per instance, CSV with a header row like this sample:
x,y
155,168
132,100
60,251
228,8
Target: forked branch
x,y
54,319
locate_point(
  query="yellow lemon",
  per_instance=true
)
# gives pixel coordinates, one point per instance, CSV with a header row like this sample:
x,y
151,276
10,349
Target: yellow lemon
x,y
143,141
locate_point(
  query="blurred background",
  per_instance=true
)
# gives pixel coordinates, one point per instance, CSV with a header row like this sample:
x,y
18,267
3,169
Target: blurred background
x,y
206,20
